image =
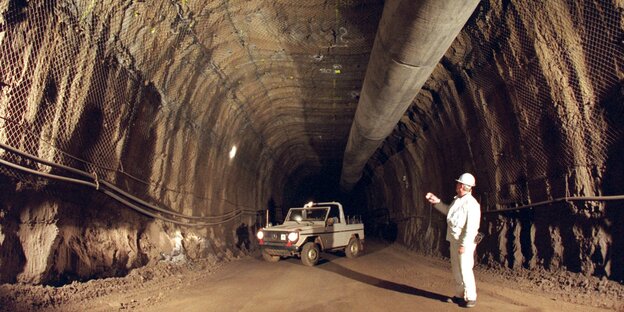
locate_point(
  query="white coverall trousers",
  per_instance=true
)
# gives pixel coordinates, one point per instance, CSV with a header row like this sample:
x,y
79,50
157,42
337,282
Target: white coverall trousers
x,y
461,265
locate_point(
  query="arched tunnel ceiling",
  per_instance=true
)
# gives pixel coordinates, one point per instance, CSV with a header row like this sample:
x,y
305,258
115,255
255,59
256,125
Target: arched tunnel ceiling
x,y
281,81
291,71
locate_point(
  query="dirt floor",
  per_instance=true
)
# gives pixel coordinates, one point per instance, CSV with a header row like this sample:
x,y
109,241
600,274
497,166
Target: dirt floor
x,y
386,277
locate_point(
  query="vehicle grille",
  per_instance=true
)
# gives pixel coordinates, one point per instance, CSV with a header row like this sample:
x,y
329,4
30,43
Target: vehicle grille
x,y
275,237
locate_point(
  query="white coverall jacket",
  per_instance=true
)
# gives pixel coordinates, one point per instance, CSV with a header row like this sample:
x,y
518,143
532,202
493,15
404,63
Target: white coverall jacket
x,y
463,217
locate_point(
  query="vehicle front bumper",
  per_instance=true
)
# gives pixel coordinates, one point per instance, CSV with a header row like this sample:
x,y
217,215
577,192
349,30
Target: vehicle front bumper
x,y
278,249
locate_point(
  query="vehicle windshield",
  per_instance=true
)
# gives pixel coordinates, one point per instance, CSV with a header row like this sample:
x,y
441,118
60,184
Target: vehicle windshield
x,y
307,214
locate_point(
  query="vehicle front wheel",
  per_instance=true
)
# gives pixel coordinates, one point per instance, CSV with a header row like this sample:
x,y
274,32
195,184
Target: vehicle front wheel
x,y
269,257
310,254
354,248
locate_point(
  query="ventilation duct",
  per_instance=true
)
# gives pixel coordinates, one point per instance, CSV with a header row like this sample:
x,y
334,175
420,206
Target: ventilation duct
x,y
411,39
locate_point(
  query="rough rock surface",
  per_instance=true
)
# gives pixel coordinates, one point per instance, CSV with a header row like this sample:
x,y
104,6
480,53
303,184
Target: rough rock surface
x,y
532,106
60,241
154,97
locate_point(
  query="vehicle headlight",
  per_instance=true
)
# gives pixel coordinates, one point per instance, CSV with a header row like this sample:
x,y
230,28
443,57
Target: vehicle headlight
x,y
293,236
260,235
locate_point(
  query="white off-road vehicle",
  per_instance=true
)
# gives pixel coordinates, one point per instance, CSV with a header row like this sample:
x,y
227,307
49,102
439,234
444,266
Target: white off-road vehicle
x,y
310,229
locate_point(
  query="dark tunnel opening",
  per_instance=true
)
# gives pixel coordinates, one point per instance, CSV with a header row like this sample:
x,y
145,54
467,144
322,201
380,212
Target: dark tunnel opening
x,y
323,186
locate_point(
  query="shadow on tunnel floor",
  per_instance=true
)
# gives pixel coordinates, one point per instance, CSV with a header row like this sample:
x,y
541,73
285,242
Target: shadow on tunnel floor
x,y
333,267
327,263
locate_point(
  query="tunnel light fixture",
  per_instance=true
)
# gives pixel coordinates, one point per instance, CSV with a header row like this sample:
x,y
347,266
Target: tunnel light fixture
x,y
233,152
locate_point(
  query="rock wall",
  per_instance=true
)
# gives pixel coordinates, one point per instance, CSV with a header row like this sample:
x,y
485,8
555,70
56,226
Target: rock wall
x,y
153,96
528,104
57,239
82,89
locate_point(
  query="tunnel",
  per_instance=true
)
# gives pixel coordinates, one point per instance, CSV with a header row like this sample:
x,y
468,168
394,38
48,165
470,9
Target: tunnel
x,y
140,133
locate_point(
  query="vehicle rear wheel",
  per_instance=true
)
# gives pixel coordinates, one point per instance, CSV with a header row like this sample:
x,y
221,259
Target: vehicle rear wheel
x,y
310,254
354,248
269,257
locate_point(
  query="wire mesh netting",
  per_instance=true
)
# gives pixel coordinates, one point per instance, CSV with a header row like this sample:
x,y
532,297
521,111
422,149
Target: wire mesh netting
x,y
103,87
74,91
560,62
72,95
537,84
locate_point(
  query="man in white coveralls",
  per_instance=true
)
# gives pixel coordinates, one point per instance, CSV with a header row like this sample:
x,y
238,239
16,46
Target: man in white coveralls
x,y
463,216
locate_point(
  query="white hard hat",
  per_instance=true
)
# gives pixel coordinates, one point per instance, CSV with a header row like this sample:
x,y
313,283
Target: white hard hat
x,y
466,179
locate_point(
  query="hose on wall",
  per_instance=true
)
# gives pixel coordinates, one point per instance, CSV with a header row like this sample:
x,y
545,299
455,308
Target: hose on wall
x,y
116,193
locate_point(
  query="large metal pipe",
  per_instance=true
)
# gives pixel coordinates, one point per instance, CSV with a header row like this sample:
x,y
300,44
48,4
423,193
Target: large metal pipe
x,y
411,39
